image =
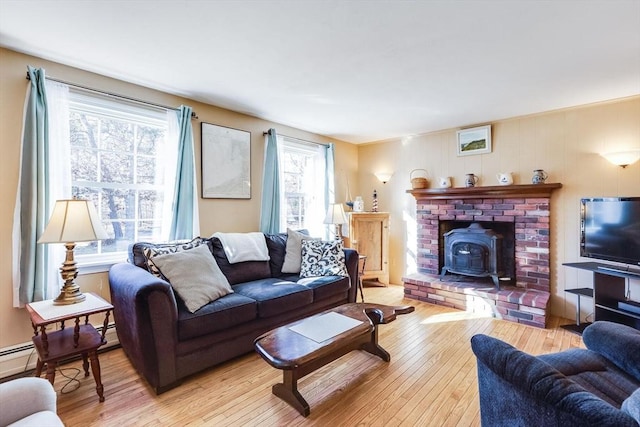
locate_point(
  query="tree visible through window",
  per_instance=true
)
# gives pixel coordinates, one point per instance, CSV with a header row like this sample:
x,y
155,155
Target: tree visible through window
x,y
118,157
304,185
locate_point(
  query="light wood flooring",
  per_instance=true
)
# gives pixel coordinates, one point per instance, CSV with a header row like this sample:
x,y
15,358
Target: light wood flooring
x,y
430,381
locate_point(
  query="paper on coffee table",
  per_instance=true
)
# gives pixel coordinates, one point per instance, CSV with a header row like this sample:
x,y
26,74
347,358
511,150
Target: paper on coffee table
x,y
321,328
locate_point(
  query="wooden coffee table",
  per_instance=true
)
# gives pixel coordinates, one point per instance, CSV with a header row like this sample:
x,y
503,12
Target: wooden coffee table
x,y
298,355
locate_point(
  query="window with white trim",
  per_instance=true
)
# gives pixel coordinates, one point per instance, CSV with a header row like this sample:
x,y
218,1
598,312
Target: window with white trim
x,y
122,159
303,179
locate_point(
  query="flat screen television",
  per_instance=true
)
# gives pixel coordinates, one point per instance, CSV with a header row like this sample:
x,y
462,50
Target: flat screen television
x,y
610,229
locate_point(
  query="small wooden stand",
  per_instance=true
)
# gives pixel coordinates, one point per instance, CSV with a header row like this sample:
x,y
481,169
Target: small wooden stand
x,y
82,339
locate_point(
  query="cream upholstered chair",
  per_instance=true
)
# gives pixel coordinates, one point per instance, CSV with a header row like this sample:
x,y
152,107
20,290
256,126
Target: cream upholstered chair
x,y
28,402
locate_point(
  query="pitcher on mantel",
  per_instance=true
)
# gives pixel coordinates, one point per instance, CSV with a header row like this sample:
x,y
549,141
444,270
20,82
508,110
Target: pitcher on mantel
x,y
539,176
505,178
470,180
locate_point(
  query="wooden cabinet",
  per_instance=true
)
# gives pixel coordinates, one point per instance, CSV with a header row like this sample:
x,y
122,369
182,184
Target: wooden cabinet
x,y
369,235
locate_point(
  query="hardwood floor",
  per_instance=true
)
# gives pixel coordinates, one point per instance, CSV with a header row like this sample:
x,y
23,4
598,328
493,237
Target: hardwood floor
x,y
430,381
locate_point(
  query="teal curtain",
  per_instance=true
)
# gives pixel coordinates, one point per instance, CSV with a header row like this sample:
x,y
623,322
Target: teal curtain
x,y
184,221
270,207
32,201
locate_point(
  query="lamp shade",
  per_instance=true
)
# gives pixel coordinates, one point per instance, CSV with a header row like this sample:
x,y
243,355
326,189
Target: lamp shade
x,y
623,158
335,214
73,221
383,177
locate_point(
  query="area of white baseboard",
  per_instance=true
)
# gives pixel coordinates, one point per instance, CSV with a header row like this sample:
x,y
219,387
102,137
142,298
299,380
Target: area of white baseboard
x,y
22,357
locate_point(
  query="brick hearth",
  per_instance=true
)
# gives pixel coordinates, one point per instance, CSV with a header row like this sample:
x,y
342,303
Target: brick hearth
x,y
509,303
528,207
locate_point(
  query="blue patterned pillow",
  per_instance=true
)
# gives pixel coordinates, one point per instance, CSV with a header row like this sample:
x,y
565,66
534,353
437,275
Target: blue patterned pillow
x,y
322,259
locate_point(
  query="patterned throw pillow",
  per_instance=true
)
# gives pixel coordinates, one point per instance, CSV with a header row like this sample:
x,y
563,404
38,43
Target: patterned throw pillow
x,y
151,252
293,255
321,258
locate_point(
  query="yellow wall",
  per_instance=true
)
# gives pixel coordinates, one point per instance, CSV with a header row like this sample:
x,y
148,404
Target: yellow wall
x,y
215,214
564,143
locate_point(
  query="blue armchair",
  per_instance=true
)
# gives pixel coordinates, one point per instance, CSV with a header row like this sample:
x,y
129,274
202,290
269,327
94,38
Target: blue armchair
x,y
597,386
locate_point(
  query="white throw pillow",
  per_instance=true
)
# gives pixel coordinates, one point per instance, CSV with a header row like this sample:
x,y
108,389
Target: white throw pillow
x,y
293,254
323,259
195,276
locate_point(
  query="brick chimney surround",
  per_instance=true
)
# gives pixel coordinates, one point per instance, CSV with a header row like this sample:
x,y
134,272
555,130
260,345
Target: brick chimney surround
x,y
528,207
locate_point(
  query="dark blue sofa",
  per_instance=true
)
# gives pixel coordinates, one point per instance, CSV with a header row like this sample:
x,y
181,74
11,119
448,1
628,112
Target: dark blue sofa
x,y
577,387
165,342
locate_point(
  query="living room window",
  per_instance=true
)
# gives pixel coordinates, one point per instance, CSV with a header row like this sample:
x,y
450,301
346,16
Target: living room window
x,y
122,159
125,155
303,177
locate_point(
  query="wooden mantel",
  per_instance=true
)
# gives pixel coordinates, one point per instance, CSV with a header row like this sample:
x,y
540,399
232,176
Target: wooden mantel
x,y
495,191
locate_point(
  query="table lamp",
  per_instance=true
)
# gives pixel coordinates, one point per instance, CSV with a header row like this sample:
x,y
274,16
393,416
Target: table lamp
x,y
72,221
336,216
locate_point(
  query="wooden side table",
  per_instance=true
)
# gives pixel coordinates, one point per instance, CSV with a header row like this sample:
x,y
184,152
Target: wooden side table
x,y
83,339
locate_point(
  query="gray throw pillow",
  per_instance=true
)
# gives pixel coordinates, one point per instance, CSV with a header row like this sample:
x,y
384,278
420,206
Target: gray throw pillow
x,y
323,259
168,248
194,275
632,405
293,254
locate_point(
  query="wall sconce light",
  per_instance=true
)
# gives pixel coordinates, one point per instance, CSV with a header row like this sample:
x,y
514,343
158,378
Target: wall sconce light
x,y
623,158
383,177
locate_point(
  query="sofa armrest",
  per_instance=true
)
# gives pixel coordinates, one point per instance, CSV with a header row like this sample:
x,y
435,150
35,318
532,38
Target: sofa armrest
x,y
618,343
23,397
519,389
146,318
351,260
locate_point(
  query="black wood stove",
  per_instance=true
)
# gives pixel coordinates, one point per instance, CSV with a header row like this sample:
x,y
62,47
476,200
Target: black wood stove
x,y
473,251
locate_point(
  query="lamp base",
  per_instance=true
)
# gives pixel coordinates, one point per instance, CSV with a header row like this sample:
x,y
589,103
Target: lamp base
x,y
70,292
69,296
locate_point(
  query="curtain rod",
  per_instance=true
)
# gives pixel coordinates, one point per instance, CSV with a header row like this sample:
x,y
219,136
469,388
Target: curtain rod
x,y
298,139
115,95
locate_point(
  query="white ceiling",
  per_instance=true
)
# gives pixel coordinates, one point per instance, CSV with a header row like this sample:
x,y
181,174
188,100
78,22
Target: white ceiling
x,y
358,71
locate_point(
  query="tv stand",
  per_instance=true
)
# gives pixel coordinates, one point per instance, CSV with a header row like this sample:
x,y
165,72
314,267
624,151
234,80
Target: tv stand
x,y
608,290
632,272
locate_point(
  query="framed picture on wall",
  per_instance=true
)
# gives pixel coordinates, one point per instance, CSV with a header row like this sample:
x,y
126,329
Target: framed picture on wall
x,y
226,163
475,140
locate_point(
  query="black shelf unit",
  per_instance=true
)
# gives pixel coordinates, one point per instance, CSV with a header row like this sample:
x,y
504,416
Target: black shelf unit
x,y
609,285
578,328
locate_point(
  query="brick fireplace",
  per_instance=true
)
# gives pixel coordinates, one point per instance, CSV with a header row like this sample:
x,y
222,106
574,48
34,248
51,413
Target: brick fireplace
x,y
525,296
